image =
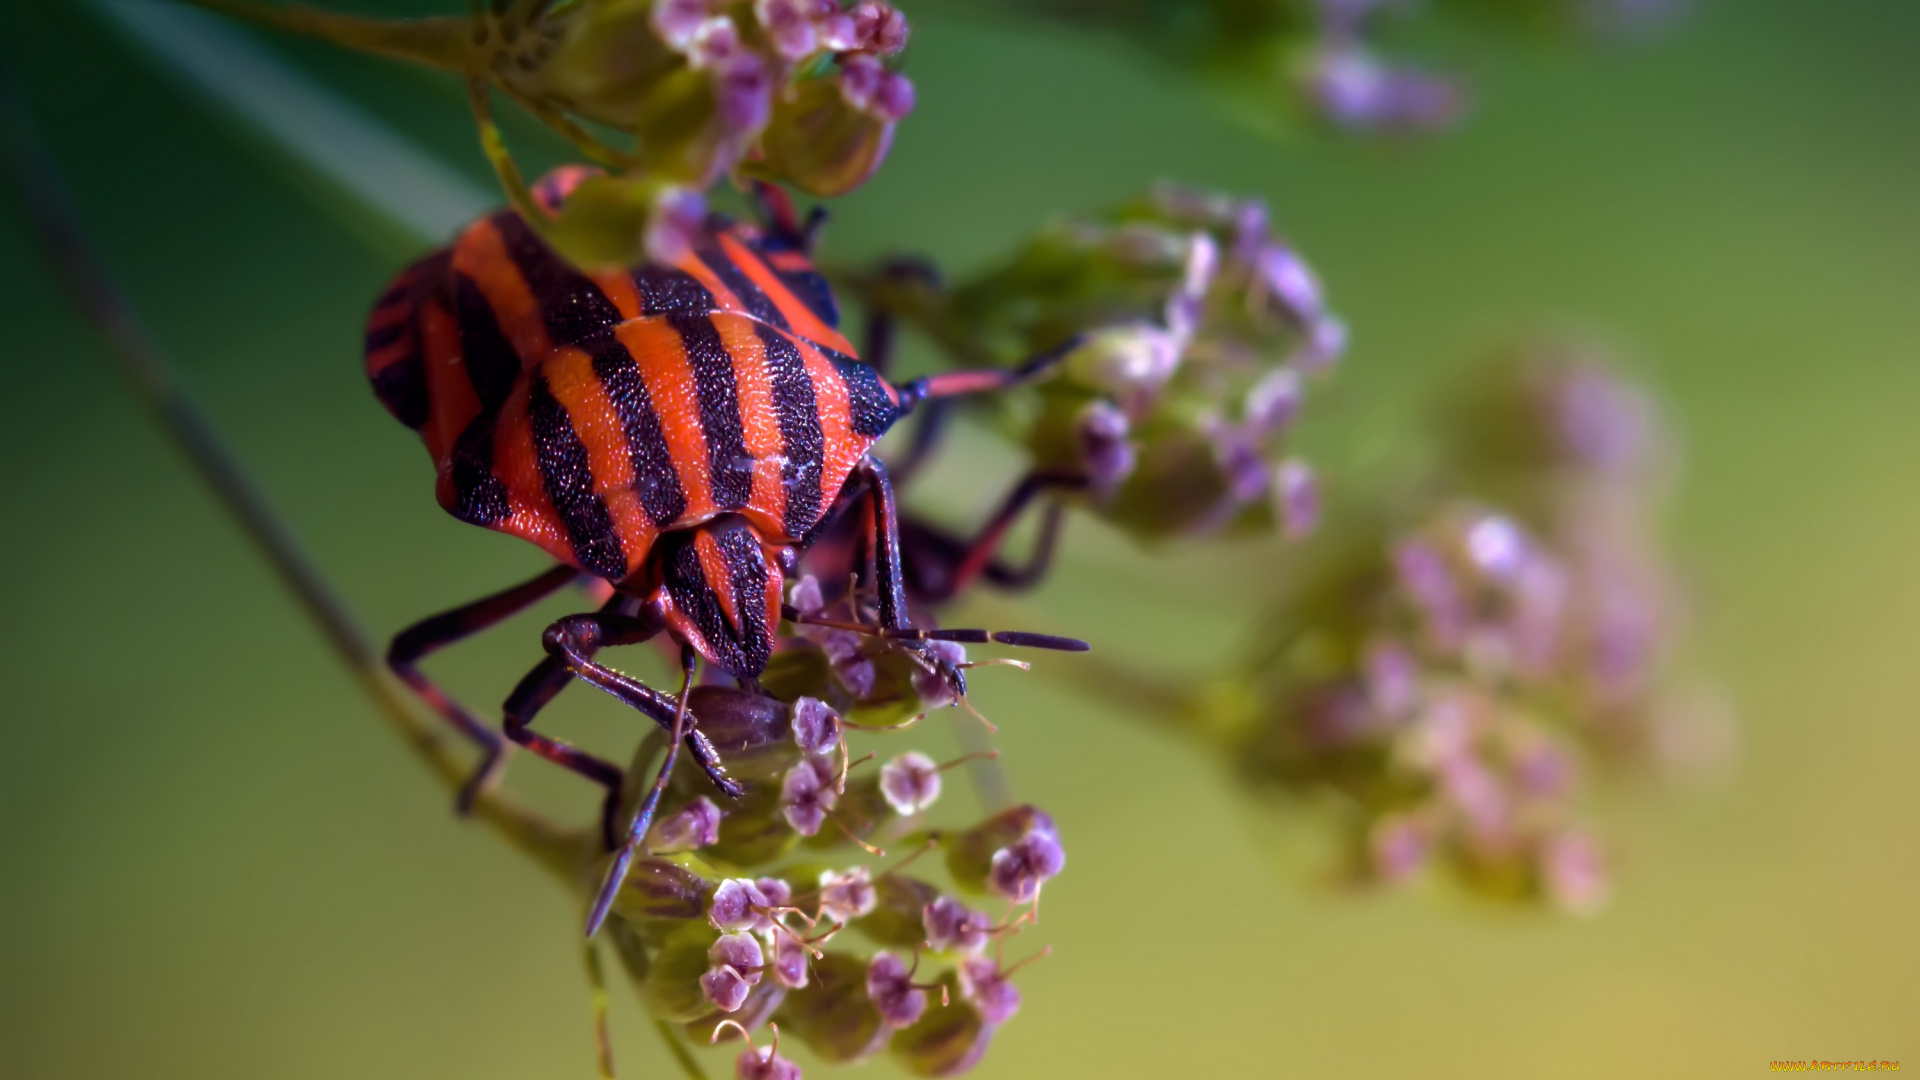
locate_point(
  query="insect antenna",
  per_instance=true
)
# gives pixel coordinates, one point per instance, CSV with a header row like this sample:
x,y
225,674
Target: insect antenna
x,y
1018,638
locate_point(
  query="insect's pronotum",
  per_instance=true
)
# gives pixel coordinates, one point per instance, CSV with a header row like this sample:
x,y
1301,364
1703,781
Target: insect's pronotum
x,y
681,432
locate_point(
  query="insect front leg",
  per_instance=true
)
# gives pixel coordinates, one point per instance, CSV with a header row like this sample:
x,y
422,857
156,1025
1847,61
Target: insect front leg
x,y
429,635
572,642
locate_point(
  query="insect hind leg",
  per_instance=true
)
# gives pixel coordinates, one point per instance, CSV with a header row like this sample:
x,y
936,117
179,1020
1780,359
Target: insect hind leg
x,y
432,634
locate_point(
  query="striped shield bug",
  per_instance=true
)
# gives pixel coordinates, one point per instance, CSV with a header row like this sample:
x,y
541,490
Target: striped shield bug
x,y
681,432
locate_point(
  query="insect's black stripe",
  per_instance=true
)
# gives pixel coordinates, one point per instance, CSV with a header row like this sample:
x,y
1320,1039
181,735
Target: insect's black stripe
x,y
811,289
747,574
402,387
664,290
383,336
803,444
871,410
655,480
568,478
757,303
479,498
492,365
573,307
728,462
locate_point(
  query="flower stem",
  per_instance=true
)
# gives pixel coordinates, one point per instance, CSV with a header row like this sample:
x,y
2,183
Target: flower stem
x,y
440,43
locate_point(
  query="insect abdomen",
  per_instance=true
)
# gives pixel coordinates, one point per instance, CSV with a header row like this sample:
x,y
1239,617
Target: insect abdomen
x,y
590,413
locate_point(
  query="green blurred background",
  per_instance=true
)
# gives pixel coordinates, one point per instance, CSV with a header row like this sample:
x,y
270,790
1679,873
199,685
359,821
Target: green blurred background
x,y
217,863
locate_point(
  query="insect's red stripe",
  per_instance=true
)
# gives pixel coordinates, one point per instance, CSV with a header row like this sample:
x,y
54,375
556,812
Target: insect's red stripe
x,y
668,377
800,318
841,445
655,480
729,468
713,567
573,380
481,255
530,513
802,444
454,403
620,291
566,471
759,421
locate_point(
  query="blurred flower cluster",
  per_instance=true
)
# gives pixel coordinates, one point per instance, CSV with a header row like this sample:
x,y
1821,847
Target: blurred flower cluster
x,y
1444,672
1334,60
814,905
804,92
1191,331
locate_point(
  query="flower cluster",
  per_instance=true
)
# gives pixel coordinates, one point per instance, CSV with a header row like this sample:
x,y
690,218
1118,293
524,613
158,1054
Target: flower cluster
x,y
768,912
804,92
1191,331
1446,684
1325,58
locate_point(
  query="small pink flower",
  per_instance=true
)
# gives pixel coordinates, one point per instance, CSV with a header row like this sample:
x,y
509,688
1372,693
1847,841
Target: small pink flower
x,y
847,896
910,782
890,986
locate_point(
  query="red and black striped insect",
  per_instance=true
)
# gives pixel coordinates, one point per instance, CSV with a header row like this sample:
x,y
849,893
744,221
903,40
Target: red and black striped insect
x,y
681,432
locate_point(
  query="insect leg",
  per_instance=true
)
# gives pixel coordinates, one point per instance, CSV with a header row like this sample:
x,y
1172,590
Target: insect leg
x,y
940,565
429,635
984,380
883,323
572,642
643,818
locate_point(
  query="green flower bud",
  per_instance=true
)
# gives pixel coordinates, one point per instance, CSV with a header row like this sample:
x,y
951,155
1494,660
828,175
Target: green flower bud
x,y
833,1014
820,143
670,986
970,854
946,1041
754,832
664,887
897,918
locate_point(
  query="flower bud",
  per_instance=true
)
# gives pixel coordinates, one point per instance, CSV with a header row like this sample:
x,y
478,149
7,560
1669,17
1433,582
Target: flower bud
x,y
734,968
807,794
951,926
754,831
657,888
753,732
823,144
880,28
816,727
970,854
1297,496
846,895
674,985
910,782
833,1014
764,1063
946,1042
1102,446
896,919
691,827
738,904
988,989
890,987
1018,870
789,960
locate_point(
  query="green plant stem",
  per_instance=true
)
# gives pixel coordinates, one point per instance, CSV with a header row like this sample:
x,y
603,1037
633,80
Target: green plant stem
x,y
54,225
440,43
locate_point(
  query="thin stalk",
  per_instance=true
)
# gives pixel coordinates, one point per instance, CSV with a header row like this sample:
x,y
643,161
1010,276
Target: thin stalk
x,y
440,43
54,225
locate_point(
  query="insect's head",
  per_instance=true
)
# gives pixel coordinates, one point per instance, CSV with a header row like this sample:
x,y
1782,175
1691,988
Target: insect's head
x,y
720,590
